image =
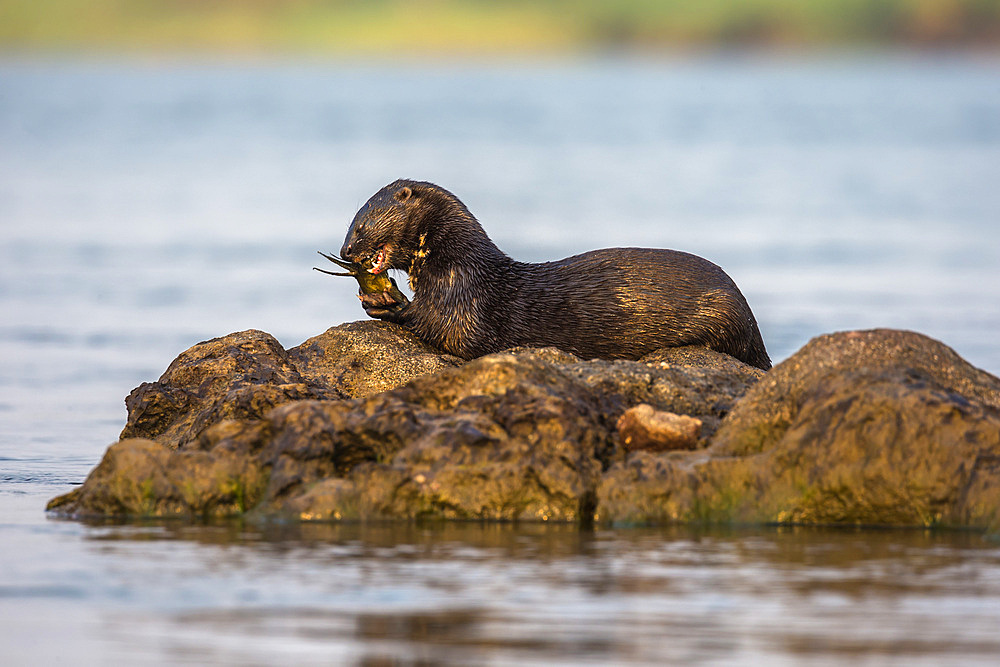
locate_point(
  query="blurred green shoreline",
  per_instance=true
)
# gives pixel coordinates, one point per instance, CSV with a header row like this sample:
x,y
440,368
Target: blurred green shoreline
x,y
480,27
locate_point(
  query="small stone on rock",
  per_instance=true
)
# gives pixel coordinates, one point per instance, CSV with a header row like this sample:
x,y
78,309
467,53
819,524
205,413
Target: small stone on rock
x,y
643,427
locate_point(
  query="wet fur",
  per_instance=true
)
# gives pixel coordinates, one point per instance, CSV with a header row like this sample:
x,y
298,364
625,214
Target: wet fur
x,y
471,299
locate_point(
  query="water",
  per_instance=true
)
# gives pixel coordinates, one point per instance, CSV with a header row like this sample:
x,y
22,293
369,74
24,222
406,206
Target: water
x,y
488,594
147,206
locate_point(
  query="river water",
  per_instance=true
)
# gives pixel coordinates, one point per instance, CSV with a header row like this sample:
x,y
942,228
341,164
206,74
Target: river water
x,y
146,206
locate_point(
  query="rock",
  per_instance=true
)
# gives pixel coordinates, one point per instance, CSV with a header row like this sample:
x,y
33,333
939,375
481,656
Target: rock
x,y
355,358
139,477
364,422
776,401
523,434
691,381
874,427
517,435
239,376
244,375
642,427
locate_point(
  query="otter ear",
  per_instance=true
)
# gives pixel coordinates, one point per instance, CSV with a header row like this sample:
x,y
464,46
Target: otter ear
x,y
403,194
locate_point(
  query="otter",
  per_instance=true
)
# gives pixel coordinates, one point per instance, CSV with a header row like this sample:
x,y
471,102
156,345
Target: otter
x,y
471,299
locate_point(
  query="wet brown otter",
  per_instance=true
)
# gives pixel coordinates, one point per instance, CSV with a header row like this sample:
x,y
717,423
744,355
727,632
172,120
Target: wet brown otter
x,y
471,299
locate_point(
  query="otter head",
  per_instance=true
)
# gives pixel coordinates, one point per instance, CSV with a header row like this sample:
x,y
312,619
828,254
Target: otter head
x,y
378,235
394,229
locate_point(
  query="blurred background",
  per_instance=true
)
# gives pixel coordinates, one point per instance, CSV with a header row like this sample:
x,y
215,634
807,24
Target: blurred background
x,y
482,28
168,170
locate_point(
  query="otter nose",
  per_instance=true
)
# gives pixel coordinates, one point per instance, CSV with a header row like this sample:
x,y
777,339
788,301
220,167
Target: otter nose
x,y
346,250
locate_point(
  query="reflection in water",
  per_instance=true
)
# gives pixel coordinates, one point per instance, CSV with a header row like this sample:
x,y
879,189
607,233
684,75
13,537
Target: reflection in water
x,y
411,594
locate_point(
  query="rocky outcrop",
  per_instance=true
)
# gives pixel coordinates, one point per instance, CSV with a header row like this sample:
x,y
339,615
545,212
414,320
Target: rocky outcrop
x,y
241,376
245,375
364,422
869,427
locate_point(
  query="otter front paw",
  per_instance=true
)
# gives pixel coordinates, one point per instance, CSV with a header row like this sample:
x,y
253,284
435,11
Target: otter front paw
x,y
382,306
377,300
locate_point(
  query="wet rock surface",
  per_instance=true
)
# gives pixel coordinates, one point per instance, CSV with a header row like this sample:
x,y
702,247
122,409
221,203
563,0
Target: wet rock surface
x,y
366,422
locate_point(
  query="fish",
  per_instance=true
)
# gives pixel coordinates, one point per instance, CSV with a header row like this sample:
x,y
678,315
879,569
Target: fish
x,y
376,288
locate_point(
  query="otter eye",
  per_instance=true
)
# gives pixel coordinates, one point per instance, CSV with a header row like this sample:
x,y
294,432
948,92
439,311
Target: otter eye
x,y
403,194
